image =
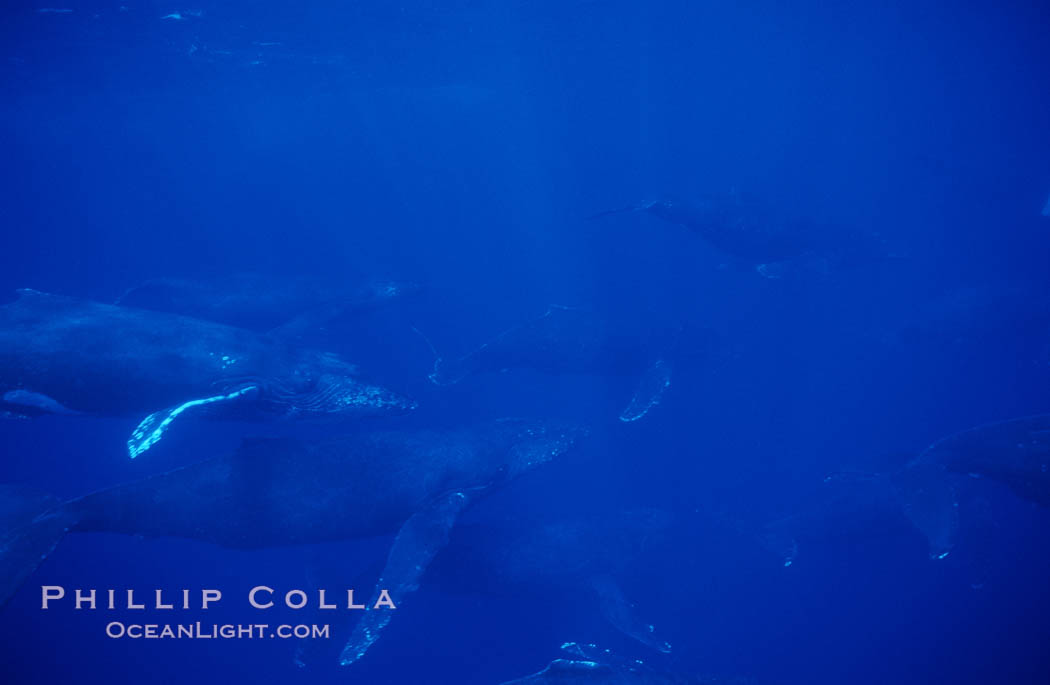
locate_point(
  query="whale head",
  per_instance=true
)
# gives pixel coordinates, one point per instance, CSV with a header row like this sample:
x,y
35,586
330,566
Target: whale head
x,y
337,396
324,386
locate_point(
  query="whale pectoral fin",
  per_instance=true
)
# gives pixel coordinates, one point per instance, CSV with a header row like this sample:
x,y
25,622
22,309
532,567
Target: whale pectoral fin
x,y
152,428
28,403
421,537
622,614
571,671
928,498
31,525
311,654
651,387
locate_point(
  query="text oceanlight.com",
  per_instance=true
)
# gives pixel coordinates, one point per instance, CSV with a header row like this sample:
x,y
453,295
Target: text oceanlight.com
x,y
199,631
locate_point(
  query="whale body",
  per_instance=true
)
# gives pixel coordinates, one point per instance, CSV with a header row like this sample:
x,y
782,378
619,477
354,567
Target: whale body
x,y
589,554
262,303
774,244
278,492
578,340
1015,452
67,355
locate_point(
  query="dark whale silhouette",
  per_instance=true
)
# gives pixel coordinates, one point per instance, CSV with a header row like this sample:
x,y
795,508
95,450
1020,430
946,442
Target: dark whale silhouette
x,y
261,302
578,340
856,506
1015,452
774,244
925,493
66,355
588,554
580,561
282,492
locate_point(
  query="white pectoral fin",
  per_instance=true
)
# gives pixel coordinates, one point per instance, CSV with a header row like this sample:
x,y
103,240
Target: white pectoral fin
x,y
651,388
622,614
152,428
421,537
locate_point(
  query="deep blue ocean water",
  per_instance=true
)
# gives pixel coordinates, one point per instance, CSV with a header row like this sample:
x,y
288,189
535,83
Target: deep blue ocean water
x,y
462,145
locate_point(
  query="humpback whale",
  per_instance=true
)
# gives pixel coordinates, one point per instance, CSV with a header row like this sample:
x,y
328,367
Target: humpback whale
x,y
859,505
67,355
1015,452
925,492
275,492
589,553
592,563
748,231
578,340
262,303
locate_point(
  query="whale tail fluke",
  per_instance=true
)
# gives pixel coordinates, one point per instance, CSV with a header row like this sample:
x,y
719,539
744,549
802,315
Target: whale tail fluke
x,y
31,524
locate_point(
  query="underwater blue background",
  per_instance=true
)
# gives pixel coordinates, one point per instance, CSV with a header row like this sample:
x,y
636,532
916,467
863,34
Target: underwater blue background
x,y
462,145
